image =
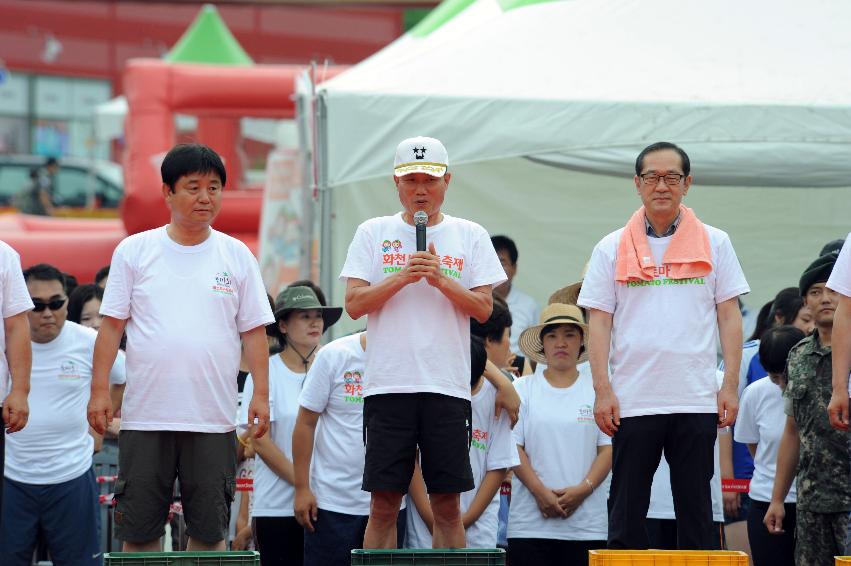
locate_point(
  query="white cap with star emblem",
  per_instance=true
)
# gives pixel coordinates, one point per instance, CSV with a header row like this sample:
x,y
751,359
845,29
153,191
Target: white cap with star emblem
x,y
421,155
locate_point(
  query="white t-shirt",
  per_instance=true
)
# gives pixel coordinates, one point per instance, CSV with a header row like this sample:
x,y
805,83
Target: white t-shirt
x,y
185,308
272,496
761,421
334,388
663,336
525,312
492,448
581,366
749,350
559,434
14,299
419,342
840,276
56,446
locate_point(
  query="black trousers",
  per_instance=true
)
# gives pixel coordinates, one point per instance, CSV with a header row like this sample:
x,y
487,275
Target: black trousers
x,y
279,540
550,552
662,534
688,443
768,549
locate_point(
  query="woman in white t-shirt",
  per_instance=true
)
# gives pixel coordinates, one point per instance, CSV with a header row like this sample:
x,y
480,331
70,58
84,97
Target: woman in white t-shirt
x,y
760,425
301,321
557,511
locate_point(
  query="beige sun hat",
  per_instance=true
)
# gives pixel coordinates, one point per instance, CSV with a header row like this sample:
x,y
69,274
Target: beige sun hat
x,y
557,313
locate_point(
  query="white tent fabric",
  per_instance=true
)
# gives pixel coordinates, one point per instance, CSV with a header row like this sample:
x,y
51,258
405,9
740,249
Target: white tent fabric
x,y
544,107
109,119
754,85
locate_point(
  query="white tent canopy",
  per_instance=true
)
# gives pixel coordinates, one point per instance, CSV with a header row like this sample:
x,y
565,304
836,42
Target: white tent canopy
x,y
544,106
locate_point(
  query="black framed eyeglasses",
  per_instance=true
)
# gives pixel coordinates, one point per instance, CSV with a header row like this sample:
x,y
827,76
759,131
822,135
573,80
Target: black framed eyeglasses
x,y
54,305
652,179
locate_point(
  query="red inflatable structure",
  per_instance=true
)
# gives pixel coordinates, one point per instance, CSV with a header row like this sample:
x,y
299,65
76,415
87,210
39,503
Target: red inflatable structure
x,y
156,90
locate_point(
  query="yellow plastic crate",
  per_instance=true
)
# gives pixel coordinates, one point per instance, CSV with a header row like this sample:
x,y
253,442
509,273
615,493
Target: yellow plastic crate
x,y
840,560
667,558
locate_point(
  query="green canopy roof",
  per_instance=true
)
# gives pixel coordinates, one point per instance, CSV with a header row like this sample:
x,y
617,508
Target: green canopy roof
x,y
449,9
441,14
208,40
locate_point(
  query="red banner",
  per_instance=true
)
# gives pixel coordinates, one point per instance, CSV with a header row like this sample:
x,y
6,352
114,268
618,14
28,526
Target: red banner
x,y
735,486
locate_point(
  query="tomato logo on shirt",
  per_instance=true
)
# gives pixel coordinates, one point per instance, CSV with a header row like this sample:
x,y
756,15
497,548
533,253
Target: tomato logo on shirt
x,y
68,370
585,414
223,284
353,387
480,439
385,246
661,277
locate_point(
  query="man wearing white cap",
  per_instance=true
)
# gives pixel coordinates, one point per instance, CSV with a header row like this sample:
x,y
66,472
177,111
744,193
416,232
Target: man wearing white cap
x,y
417,383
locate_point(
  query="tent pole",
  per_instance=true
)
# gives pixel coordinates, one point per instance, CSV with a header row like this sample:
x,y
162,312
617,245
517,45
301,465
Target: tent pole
x,y
308,201
326,274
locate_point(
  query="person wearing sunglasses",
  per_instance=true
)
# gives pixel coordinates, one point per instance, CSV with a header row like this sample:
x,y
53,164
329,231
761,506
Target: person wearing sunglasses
x,y
49,482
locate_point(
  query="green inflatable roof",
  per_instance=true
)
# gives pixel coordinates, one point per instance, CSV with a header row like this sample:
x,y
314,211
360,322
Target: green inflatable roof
x,y
208,40
448,9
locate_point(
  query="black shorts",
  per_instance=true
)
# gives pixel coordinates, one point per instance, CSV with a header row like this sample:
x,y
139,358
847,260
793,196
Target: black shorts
x,y
394,425
148,462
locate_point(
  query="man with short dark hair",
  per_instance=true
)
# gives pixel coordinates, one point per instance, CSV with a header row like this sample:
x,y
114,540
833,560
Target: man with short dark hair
x,y
417,388
524,310
657,291
49,484
185,294
809,445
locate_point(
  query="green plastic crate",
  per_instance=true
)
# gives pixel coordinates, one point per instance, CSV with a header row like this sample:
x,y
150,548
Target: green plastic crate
x,y
430,557
240,558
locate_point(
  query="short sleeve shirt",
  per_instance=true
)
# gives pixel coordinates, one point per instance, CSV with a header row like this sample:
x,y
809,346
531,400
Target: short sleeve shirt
x,y
185,308
14,299
56,446
419,341
334,389
663,350
548,416
840,276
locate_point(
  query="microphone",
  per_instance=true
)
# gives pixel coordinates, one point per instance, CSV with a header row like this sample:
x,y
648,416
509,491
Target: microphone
x,y
421,219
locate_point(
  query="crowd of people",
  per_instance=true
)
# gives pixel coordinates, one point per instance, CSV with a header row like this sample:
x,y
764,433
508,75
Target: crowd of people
x,y
462,414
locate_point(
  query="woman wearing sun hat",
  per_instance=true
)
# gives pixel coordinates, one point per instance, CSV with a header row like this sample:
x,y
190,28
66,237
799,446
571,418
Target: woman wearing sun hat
x,y
557,511
301,321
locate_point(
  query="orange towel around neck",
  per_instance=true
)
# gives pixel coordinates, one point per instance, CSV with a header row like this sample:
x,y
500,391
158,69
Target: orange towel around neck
x,y
688,255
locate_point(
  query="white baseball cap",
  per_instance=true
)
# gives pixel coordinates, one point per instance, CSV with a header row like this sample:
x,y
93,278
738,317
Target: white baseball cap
x,y
421,155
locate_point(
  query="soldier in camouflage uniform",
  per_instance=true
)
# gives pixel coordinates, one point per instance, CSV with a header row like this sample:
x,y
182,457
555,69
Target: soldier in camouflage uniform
x,y
823,465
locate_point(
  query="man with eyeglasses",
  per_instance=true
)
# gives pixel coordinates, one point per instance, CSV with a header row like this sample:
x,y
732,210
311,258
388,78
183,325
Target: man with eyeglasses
x,y
657,291
49,482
